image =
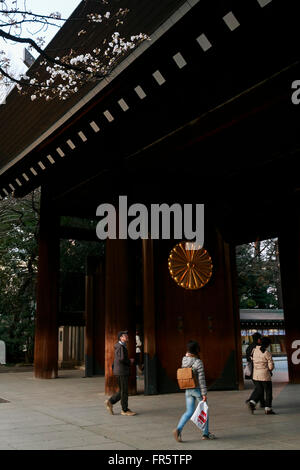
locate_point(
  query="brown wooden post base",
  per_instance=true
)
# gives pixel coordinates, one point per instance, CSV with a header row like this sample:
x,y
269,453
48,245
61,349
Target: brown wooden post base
x,y
46,330
119,309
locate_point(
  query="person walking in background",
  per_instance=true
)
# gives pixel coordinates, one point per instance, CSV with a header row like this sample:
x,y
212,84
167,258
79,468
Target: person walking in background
x,y
256,340
121,368
138,351
262,376
193,395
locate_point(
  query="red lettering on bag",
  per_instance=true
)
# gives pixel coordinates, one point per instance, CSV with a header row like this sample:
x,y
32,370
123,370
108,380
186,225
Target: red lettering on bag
x,y
202,417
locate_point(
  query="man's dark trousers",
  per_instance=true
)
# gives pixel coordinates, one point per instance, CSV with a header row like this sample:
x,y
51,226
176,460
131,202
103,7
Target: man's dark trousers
x,y
122,394
262,388
261,399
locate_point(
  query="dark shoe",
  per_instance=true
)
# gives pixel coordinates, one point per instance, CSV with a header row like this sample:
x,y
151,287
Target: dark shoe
x,y
251,407
109,407
128,413
208,436
270,412
177,435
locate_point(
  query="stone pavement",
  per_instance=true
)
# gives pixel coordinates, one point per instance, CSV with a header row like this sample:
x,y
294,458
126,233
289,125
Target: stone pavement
x,y
69,413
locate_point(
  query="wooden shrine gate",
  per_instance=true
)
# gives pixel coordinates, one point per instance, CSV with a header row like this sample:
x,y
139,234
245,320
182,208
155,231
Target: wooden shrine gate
x,y
200,114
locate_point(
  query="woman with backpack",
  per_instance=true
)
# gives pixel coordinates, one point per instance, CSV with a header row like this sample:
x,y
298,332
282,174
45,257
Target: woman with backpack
x,y
262,372
193,395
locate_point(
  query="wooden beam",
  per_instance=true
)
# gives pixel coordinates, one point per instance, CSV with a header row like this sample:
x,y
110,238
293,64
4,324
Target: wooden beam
x,y
71,319
75,233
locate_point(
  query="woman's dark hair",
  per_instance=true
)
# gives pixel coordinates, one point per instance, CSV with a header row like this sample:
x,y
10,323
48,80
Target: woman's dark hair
x,y
256,337
193,347
265,342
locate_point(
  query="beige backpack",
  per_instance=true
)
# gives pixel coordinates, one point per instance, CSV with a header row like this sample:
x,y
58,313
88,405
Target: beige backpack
x,y
186,378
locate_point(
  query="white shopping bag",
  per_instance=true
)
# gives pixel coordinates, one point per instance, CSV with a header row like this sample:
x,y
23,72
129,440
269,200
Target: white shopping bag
x,y
200,415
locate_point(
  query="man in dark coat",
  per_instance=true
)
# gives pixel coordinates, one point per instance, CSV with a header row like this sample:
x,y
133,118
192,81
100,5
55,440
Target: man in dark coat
x,y
121,368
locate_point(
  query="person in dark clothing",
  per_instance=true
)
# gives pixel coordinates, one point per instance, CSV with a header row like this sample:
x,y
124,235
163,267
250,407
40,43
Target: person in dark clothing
x,y
121,368
256,341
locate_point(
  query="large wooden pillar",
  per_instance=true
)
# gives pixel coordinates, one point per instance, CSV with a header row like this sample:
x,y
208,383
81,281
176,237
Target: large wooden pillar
x,y
46,330
119,308
289,255
99,318
150,359
89,318
231,286
94,316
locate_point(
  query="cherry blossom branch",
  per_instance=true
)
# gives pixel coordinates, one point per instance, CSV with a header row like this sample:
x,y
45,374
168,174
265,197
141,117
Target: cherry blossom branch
x,y
42,53
67,73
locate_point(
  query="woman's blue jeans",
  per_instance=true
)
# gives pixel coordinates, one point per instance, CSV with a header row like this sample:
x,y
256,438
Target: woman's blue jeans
x,y
192,398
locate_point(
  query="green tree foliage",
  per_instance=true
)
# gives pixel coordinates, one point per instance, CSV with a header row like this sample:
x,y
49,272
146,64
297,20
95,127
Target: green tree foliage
x,y
259,275
18,269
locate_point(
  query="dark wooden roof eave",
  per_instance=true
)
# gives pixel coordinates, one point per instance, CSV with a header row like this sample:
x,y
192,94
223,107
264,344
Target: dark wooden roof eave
x,y
177,102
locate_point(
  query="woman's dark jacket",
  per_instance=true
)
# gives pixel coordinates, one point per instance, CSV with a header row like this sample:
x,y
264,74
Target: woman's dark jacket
x,y
249,351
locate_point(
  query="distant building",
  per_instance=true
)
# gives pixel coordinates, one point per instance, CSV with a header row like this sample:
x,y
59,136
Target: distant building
x,y
268,322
